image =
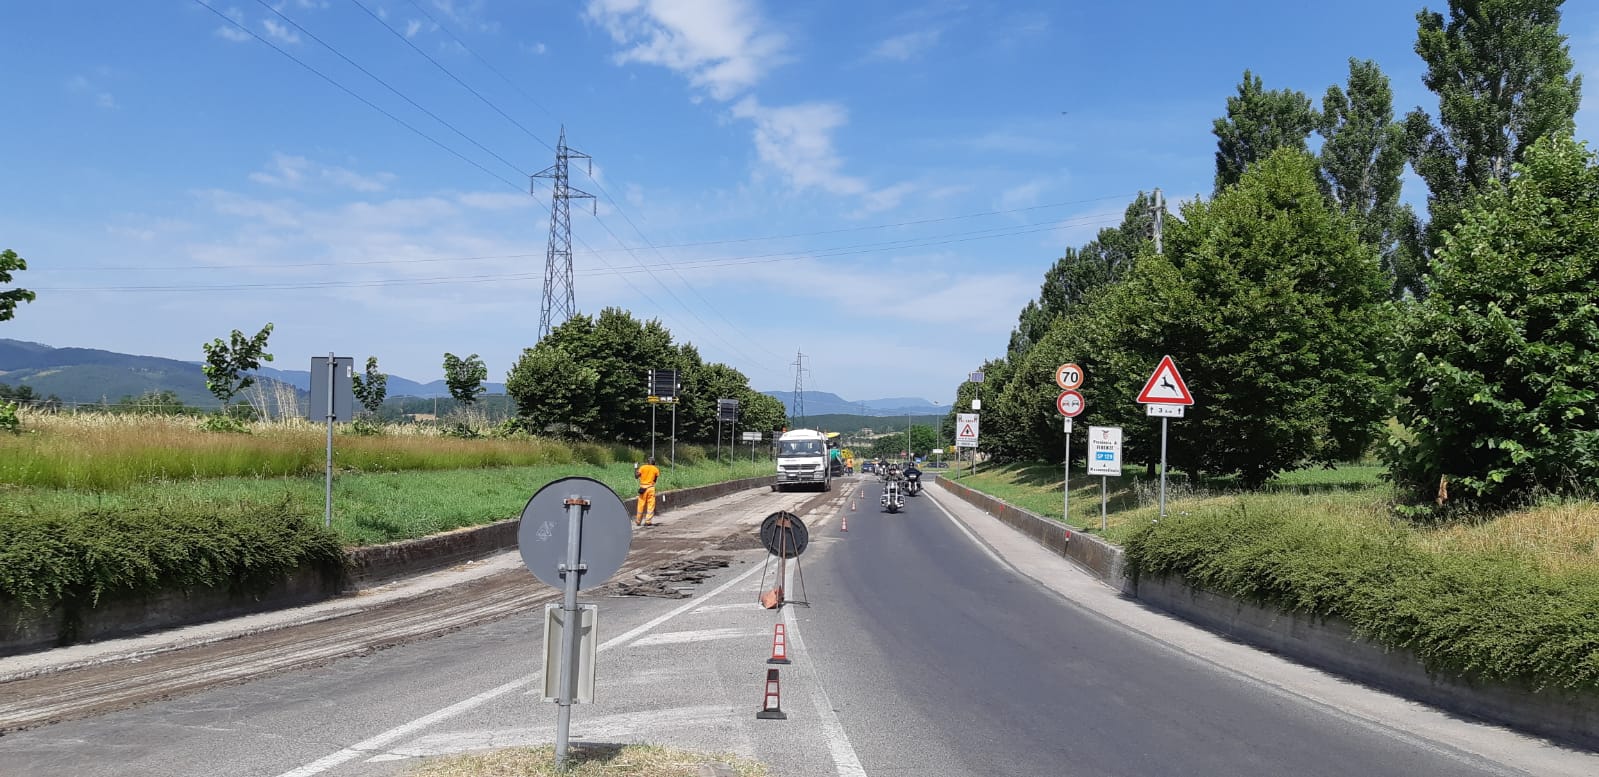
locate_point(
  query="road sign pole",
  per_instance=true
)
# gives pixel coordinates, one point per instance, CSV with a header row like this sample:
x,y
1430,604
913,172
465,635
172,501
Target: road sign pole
x,y
1066,477
327,503
1163,421
573,626
674,432
1104,502
652,430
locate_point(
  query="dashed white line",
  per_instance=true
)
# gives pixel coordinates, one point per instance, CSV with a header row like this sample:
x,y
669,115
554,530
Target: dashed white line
x,y
367,747
845,760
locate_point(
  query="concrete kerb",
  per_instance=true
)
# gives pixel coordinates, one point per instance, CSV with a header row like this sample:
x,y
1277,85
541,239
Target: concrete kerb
x,y
1326,643
27,630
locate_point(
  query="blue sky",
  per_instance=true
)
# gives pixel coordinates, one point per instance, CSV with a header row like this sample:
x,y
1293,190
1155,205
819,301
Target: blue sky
x,y
878,185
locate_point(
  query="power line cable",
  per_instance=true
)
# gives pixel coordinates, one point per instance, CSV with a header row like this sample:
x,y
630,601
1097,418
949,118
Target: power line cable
x,y
922,241
352,93
447,72
388,86
489,278
503,77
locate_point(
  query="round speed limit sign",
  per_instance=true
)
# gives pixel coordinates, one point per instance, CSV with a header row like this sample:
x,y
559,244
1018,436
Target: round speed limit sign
x,y
1069,403
1068,376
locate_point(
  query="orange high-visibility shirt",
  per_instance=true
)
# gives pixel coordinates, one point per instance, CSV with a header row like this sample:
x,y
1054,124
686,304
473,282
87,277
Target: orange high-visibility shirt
x,y
647,474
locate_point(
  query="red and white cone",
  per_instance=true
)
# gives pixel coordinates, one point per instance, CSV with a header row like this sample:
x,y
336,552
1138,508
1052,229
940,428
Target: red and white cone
x,y
772,703
779,645
843,524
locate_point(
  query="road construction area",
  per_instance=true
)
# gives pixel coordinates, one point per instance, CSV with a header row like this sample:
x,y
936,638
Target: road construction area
x,y
935,641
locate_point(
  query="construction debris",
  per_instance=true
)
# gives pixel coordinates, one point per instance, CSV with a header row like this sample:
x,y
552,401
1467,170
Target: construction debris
x,y
657,581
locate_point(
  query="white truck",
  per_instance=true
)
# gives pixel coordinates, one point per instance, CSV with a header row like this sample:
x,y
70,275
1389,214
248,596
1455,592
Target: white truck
x,y
802,459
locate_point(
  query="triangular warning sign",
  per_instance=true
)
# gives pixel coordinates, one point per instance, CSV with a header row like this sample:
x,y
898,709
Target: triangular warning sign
x,y
1166,386
966,431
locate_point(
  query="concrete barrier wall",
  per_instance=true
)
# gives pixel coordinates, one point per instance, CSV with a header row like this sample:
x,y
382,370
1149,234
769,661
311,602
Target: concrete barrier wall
x,y
25,630
1326,643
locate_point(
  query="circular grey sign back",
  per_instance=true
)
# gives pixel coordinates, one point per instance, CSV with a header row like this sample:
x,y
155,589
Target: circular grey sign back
x,y
784,534
607,532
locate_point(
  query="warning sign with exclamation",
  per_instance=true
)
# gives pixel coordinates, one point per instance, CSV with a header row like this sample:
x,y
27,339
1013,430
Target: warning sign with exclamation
x,y
966,430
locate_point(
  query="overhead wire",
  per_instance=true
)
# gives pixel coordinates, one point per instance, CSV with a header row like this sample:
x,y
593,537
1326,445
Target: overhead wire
x,y
610,269
352,93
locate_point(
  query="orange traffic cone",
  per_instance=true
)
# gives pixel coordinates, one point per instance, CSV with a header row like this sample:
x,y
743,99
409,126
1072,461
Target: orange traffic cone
x,y
779,645
772,704
843,524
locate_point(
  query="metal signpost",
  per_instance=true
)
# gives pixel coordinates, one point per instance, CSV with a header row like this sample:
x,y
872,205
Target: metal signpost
x,y
966,435
1165,395
1104,460
752,438
726,412
663,388
332,399
1069,404
597,534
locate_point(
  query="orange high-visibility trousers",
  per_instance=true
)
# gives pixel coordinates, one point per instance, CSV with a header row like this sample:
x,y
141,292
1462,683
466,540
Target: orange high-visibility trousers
x,y
646,507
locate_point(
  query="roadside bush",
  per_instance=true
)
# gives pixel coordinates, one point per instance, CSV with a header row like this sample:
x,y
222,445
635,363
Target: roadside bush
x,y
9,422
592,453
224,424
1490,617
1496,366
691,454
365,427
75,560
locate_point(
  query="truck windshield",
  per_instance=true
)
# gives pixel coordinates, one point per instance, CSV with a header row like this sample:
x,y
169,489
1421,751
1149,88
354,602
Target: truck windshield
x,y
799,448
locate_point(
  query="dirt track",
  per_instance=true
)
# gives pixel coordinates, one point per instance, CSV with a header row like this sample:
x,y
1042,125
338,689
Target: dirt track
x,y
726,523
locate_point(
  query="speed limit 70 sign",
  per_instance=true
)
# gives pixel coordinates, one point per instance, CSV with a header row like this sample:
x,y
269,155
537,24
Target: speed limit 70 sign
x,y
1069,403
1068,376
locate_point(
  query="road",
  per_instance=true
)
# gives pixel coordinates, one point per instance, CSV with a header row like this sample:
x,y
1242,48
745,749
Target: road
x,y
925,649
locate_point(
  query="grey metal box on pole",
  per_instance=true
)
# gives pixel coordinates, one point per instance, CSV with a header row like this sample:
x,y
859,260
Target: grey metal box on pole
x,y
343,388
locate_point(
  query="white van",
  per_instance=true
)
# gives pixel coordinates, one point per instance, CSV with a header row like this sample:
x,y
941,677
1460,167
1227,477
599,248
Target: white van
x,y
802,458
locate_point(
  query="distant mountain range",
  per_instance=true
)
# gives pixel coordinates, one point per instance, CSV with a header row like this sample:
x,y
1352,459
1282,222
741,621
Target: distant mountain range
x,y
82,375
87,375
824,403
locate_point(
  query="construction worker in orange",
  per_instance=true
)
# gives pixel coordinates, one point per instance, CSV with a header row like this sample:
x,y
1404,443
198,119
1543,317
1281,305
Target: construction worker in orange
x,y
647,474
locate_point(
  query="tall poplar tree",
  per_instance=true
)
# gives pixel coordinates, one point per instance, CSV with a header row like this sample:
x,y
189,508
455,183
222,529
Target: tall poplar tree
x,y
1502,73
1362,160
1257,123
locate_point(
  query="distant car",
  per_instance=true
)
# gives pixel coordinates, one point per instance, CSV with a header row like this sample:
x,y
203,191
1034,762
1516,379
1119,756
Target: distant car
x,y
870,466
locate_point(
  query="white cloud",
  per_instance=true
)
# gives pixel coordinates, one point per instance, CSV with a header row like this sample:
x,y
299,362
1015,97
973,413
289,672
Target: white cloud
x,y
80,84
296,172
231,32
412,27
721,46
797,140
279,31
906,47
1023,195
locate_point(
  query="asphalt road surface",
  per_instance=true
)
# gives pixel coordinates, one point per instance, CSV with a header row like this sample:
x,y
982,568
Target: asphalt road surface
x,y
925,650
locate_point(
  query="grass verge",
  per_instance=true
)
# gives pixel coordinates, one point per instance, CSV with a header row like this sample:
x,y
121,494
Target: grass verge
x,y
1511,596
588,761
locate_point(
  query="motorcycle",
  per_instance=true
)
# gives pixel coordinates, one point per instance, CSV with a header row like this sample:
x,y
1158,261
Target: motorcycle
x,y
913,482
893,499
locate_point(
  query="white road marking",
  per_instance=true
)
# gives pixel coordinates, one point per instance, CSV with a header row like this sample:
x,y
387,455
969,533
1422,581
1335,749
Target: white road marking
x,y
968,532
621,727
366,747
838,744
724,607
698,635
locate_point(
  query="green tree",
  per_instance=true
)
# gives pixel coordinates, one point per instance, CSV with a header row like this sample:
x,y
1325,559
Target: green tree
x,y
1101,261
1257,123
9,299
1362,161
1502,73
1275,312
464,377
163,402
554,393
372,388
227,364
1497,364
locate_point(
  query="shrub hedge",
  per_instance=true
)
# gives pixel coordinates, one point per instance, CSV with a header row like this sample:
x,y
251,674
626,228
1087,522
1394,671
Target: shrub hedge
x,y
74,560
1471,615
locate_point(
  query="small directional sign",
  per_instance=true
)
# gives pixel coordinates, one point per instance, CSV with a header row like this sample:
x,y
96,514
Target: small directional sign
x,y
1069,403
1166,386
1068,376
